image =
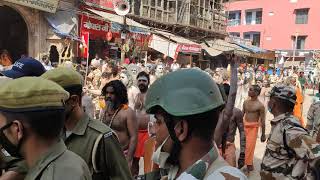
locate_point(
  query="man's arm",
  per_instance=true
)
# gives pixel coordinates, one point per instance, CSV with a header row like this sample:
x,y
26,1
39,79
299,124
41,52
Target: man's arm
x,y
302,144
240,126
228,110
263,122
310,117
132,125
111,160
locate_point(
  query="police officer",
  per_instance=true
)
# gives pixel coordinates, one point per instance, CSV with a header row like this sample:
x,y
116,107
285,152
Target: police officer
x,y
186,104
31,120
290,149
91,139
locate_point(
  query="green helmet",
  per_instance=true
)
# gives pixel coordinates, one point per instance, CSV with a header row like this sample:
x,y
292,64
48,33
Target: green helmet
x,y
184,92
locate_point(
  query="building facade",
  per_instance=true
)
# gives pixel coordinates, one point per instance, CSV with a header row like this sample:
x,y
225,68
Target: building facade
x,y
27,31
282,25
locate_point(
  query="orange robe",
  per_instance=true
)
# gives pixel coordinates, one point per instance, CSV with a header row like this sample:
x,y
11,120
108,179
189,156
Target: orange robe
x,y
251,131
297,111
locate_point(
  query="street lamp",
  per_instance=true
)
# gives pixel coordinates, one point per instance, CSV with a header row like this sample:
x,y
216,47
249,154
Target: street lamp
x,y
295,48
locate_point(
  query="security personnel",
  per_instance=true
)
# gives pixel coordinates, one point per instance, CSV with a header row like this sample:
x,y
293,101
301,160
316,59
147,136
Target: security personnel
x,y
31,120
186,104
290,150
90,139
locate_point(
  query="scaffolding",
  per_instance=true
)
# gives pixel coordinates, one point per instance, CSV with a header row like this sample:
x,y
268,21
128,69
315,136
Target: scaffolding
x,y
187,17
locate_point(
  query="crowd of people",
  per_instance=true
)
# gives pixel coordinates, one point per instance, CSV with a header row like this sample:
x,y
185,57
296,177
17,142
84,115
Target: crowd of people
x,y
151,120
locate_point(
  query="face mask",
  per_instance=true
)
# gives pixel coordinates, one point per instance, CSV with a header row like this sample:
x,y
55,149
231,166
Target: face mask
x,y
12,149
159,157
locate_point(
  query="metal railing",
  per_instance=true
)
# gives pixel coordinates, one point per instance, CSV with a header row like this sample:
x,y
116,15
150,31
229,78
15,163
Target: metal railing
x,y
234,22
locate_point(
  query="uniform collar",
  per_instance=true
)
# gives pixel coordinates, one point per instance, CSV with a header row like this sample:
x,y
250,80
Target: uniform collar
x,y
44,161
199,169
81,126
280,117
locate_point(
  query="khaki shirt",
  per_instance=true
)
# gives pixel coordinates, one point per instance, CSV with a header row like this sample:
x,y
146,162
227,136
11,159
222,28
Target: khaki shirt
x,y
58,164
99,147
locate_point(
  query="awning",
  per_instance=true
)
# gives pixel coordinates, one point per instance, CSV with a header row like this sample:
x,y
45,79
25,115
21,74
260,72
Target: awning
x,y
171,45
253,49
64,24
212,52
117,22
291,63
225,46
163,46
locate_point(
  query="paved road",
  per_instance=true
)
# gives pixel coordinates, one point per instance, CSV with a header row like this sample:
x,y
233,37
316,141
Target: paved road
x,y
260,147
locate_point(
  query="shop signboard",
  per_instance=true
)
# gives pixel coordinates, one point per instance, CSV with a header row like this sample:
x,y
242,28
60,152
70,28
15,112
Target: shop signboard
x,y
189,48
103,4
97,28
43,5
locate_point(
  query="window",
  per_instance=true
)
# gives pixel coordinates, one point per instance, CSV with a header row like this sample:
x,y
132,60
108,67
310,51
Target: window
x,y
248,17
246,36
301,41
234,18
234,34
302,16
259,17
256,39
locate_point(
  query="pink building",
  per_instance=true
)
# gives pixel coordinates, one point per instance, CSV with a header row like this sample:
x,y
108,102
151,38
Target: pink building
x,y
274,24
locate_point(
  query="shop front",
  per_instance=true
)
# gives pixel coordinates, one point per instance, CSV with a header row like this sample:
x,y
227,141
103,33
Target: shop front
x,y
25,29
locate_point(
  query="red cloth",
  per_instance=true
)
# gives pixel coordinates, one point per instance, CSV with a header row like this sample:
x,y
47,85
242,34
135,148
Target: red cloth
x,y
143,136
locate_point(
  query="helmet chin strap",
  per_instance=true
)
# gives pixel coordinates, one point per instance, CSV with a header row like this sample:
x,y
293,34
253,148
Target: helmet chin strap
x,y
175,152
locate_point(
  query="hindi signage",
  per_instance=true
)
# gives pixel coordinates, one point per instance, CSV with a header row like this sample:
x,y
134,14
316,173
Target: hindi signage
x,y
43,5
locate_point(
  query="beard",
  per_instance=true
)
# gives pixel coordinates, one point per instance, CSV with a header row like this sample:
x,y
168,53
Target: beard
x,y
143,88
110,104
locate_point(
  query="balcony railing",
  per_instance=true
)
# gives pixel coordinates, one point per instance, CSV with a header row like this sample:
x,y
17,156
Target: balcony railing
x,y
234,22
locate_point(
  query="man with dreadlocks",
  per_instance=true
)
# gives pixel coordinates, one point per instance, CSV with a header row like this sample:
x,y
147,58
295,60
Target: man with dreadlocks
x,y
120,117
254,117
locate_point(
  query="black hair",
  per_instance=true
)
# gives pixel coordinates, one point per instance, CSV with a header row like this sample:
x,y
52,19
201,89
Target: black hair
x,y
120,91
142,73
257,89
75,90
46,124
285,105
226,88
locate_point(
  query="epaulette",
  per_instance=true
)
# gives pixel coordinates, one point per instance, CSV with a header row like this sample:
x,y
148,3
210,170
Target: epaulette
x,y
99,126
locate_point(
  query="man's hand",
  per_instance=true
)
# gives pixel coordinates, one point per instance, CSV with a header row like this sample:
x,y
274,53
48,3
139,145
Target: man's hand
x,y
263,138
241,160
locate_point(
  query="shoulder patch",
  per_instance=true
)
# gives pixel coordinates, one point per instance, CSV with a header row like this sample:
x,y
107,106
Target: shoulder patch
x,y
109,134
99,126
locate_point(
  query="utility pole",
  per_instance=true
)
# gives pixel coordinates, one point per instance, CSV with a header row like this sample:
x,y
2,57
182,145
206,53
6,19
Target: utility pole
x,y
295,48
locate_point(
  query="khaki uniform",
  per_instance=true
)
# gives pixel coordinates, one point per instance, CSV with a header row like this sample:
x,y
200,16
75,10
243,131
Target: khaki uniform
x,y
32,94
91,139
58,164
314,119
210,166
289,150
100,148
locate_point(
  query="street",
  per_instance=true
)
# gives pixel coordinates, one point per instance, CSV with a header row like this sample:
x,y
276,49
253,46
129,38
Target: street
x,y
260,147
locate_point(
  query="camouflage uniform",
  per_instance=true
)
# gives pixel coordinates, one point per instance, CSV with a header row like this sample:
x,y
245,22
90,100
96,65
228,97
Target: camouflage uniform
x,y
313,122
289,149
210,166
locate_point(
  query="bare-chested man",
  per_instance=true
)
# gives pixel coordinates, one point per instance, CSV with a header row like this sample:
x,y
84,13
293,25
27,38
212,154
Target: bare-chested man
x,y
120,117
143,118
254,117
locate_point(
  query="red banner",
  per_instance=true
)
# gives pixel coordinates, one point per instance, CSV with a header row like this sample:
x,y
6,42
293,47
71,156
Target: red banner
x,y
85,44
189,48
96,28
103,4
